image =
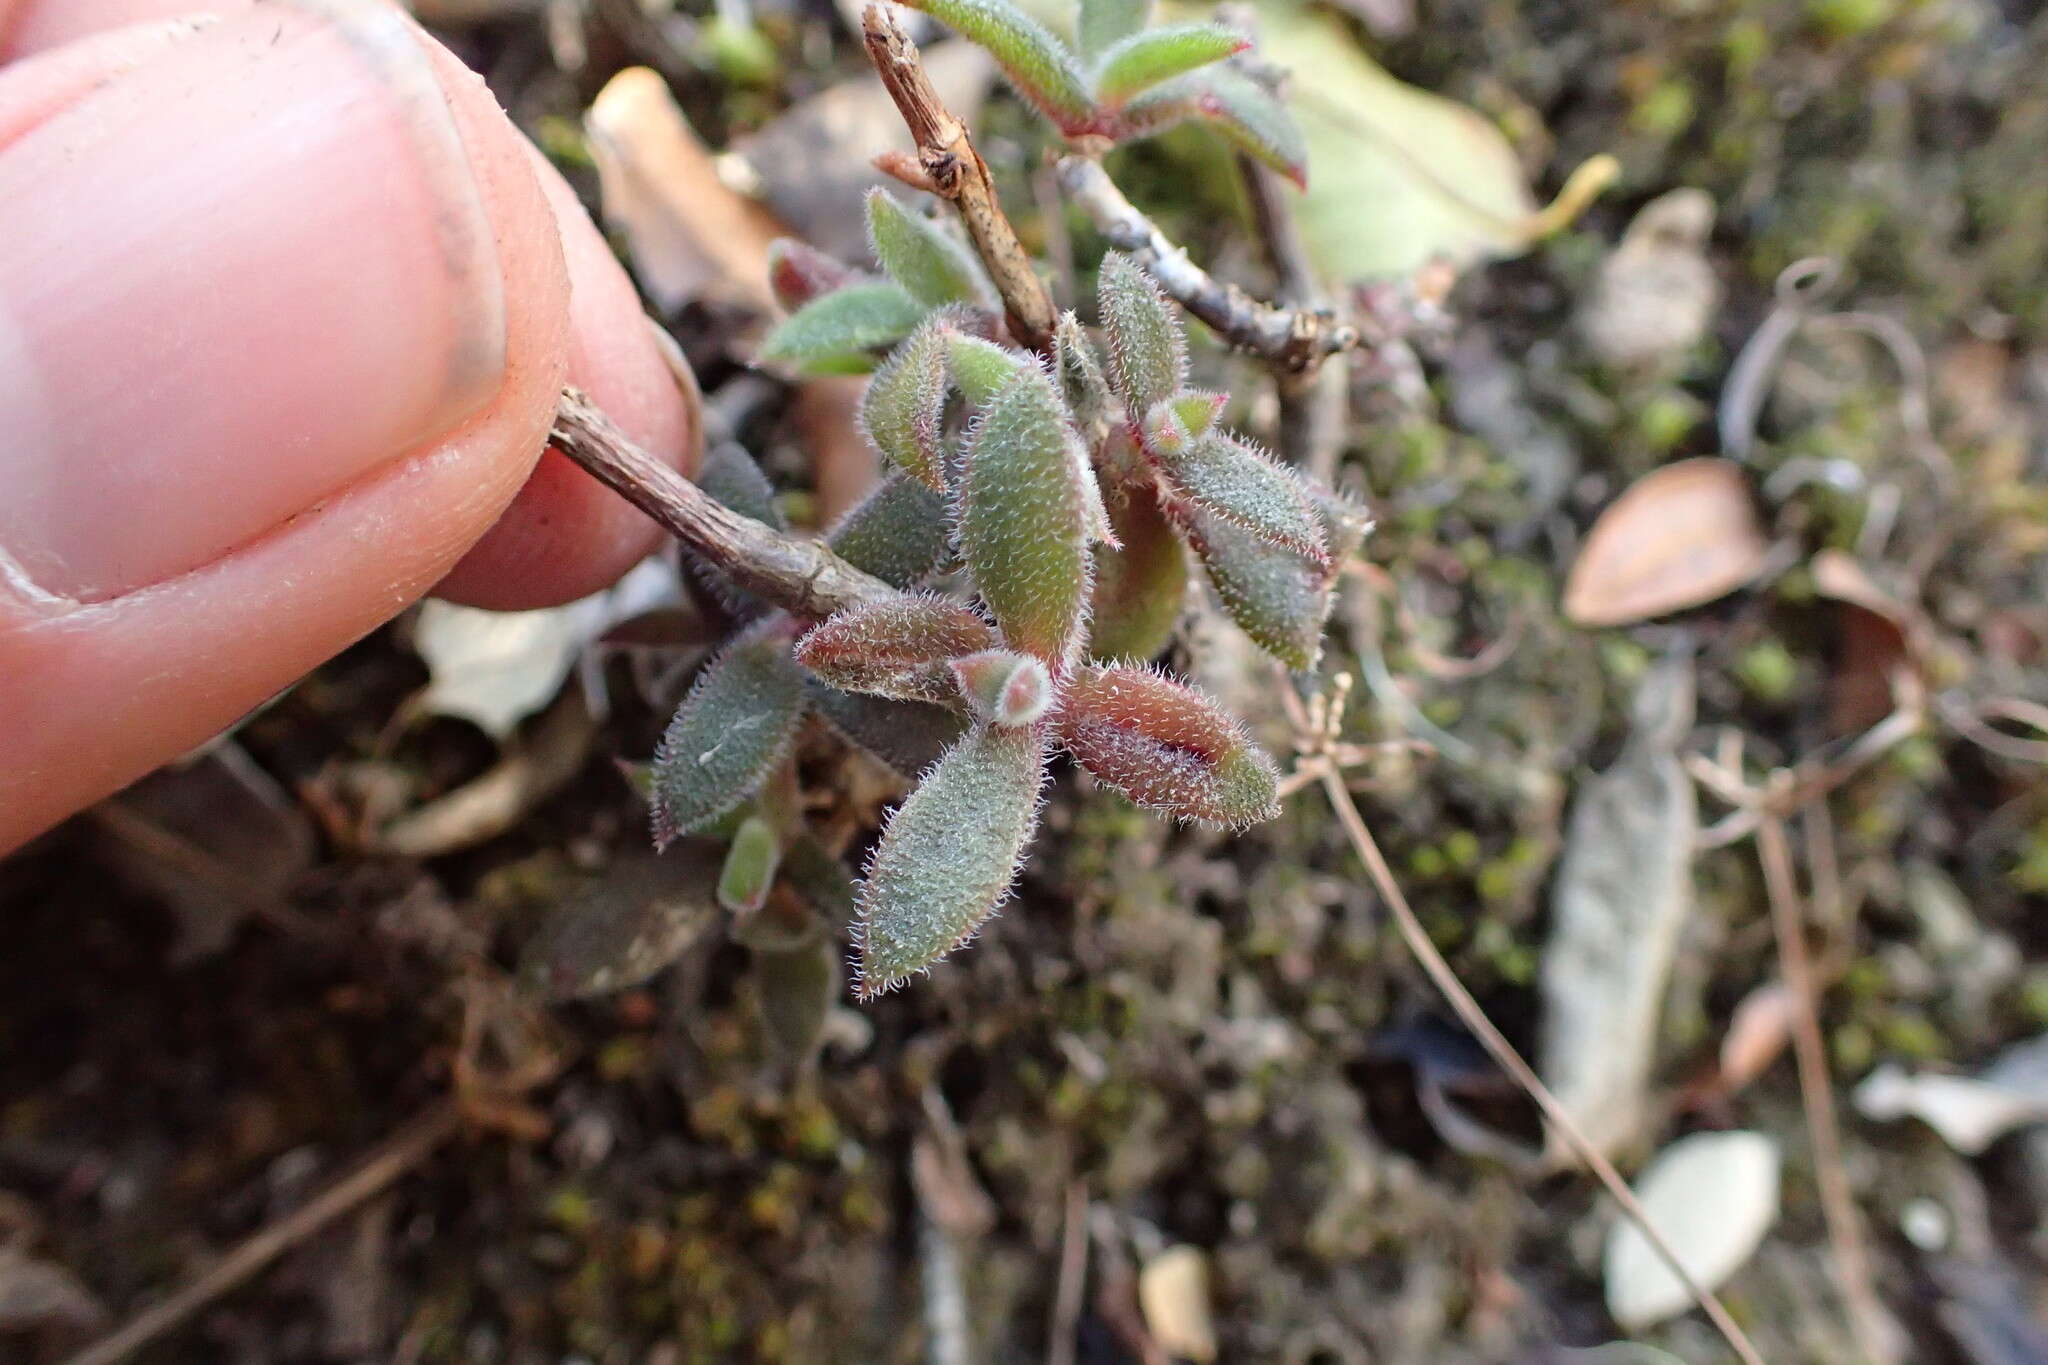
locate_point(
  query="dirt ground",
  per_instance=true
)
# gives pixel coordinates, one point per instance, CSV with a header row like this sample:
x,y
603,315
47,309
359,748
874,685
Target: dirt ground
x,y
218,992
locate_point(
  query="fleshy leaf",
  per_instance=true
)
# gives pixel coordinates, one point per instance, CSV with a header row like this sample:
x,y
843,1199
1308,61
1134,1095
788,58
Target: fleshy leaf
x,y
909,736
1023,518
749,870
798,272
1164,433
904,404
796,989
1003,687
1142,60
1198,409
782,922
1079,371
1138,588
979,367
833,332
1166,746
932,266
732,478
615,931
895,649
1236,482
897,532
1275,596
1238,106
948,855
735,726
1148,356
820,879
1104,22
1036,62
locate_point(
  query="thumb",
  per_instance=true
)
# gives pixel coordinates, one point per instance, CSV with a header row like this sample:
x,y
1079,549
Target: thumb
x,y
283,316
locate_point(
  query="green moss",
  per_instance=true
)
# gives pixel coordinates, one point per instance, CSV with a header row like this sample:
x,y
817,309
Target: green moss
x,y
1768,671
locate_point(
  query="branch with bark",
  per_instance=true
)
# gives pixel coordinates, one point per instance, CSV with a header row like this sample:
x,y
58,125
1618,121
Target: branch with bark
x,y
1290,339
948,165
801,576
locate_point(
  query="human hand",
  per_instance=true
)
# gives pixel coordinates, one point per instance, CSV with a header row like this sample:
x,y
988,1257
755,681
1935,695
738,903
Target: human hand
x,y
285,304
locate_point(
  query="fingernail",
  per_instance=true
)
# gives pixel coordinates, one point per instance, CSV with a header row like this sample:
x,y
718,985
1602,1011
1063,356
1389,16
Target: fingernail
x,y
236,279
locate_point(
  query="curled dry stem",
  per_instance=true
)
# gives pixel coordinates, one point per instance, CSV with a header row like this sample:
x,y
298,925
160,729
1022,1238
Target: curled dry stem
x,y
954,170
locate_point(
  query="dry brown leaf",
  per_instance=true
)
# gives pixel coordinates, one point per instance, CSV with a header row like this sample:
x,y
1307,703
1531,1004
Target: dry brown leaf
x,y
1623,893
692,237
1678,537
1756,1035
1879,632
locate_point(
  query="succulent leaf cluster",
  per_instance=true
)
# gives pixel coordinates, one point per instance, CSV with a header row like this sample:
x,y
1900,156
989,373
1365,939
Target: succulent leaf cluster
x,y
1128,81
1041,521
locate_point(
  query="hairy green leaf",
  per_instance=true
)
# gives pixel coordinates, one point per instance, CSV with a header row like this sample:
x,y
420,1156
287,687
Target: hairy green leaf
x,y
1003,687
1105,22
933,266
1142,60
980,367
799,272
1237,106
730,476
822,880
904,404
947,856
617,930
735,726
1164,434
833,332
1037,63
1166,746
781,923
897,532
1080,372
1275,596
1024,518
795,991
1234,481
1198,409
896,648
909,736
1139,587
750,863
1148,356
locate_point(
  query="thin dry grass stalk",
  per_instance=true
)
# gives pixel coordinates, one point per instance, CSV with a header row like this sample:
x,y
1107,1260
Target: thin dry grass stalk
x,y
1316,740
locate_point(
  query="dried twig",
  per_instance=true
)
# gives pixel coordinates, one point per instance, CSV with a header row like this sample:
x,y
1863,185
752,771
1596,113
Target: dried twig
x,y
1316,738
1292,339
1066,1303
801,576
956,172
392,1158
1867,1318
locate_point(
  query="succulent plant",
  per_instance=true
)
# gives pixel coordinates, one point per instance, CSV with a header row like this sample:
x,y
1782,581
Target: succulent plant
x,y
1067,492
1129,81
